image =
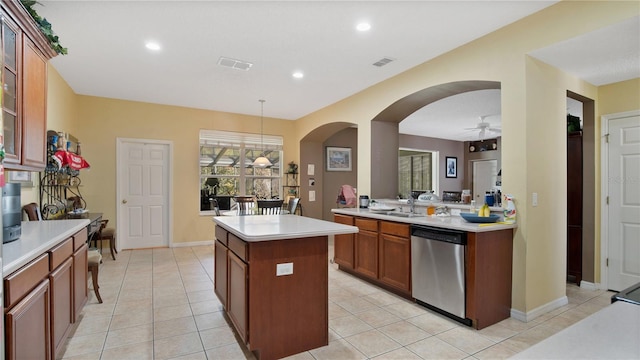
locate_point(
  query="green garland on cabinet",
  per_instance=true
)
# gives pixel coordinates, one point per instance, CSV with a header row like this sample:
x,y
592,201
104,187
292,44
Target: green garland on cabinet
x,y
44,26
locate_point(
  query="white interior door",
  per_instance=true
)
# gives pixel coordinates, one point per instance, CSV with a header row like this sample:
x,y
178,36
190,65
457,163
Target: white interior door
x,y
485,174
624,203
144,193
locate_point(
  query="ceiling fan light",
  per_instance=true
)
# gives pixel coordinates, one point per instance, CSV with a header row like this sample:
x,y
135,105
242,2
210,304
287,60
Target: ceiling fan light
x,y
262,162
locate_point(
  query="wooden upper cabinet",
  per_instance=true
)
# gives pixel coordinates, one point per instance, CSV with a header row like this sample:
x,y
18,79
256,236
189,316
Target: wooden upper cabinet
x,y
25,53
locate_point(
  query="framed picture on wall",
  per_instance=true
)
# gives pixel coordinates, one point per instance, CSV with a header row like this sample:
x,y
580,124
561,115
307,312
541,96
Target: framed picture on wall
x,y
338,159
22,177
452,167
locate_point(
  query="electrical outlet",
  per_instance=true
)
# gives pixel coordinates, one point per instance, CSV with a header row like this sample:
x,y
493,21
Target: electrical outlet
x,y
534,199
284,269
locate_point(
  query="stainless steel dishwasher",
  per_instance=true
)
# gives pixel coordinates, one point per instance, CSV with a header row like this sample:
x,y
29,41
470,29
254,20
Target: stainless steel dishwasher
x,y
437,270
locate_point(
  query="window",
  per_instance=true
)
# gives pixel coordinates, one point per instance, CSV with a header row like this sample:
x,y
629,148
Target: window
x,y
226,171
416,171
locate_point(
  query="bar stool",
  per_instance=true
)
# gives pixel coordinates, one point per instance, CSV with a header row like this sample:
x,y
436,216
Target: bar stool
x,y
105,233
94,258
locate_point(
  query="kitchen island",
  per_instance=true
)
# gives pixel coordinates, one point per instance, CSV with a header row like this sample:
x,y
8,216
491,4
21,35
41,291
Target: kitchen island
x,y
381,253
271,276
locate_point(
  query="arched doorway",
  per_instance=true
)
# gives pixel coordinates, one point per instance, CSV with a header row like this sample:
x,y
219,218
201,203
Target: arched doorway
x,y
315,181
384,130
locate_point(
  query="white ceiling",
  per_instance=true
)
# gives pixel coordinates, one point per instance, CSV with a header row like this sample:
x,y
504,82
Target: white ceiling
x,y
107,56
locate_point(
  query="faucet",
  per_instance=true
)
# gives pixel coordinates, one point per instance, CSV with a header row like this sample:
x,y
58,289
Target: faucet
x,y
412,204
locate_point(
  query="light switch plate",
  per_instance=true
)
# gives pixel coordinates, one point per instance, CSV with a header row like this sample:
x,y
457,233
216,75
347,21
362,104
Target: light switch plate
x,y
284,269
312,195
534,199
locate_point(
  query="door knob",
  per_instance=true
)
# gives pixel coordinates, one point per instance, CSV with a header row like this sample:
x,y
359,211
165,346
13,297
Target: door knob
x,y
124,201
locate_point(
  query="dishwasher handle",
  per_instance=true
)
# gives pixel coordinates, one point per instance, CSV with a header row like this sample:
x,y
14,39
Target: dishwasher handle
x,y
438,234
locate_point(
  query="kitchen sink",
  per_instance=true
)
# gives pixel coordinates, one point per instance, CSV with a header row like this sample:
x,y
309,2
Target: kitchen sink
x,y
405,215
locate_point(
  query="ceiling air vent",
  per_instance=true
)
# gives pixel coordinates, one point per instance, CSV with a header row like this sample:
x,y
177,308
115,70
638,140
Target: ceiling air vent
x,y
235,64
382,62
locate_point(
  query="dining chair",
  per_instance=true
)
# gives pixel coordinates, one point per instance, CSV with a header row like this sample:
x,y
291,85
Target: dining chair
x,y
33,212
109,234
94,258
213,205
270,207
293,205
244,205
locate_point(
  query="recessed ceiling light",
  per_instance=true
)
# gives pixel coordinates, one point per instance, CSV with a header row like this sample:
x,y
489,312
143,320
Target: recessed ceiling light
x,y
298,75
152,45
363,26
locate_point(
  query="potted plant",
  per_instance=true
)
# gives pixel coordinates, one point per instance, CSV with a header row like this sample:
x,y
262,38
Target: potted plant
x,y
293,168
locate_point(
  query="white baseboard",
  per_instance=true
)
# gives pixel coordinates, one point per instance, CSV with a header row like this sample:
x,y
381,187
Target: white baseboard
x,y
589,285
540,310
193,243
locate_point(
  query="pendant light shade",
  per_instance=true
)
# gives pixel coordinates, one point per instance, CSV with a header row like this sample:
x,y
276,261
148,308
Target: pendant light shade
x,y
262,161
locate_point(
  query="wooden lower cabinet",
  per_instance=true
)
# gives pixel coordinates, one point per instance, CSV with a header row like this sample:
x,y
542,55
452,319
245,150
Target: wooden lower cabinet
x,y
43,300
28,326
343,244
381,252
395,261
220,272
61,283
488,275
366,247
80,289
237,306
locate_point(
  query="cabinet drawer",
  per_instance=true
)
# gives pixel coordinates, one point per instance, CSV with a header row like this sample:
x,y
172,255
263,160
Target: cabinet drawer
x,y
60,253
343,219
394,228
79,239
221,235
239,247
23,280
367,224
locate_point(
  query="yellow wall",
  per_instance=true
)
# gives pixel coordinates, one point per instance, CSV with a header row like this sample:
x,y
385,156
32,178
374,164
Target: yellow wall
x,y
533,107
103,120
533,144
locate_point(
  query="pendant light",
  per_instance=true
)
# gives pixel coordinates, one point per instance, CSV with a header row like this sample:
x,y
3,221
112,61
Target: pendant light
x,y
262,161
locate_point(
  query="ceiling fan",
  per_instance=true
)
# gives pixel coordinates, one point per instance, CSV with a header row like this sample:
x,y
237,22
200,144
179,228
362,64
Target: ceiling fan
x,y
484,126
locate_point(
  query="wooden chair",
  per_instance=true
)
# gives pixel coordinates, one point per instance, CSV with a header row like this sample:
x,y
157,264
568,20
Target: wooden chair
x,y
293,205
109,234
33,212
244,205
270,207
94,259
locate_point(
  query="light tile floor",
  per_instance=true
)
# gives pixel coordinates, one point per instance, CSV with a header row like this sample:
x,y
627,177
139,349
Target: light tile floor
x,y
159,304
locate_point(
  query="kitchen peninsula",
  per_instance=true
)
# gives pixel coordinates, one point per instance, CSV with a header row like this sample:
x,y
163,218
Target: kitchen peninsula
x,y
271,276
383,253
45,286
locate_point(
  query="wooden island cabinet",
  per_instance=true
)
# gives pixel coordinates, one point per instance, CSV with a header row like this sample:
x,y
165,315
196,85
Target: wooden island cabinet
x,y
382,255
271,275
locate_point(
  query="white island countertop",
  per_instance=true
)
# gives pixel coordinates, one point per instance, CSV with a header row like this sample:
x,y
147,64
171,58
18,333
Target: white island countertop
x,y
253,228
611,333
454,222
37,237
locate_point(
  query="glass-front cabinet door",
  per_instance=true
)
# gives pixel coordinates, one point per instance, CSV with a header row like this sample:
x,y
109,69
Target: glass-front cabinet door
x,y
12,127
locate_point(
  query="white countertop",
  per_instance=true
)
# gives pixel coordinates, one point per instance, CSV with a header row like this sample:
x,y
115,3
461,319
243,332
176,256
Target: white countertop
x,y
253,228
448,222
37,237
611,333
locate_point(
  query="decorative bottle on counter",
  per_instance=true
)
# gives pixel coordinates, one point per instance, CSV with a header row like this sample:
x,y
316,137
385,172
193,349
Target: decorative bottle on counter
x,y
509,210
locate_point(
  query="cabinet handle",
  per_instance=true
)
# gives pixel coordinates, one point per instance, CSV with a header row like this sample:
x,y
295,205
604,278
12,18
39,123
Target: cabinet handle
x,y
124,201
